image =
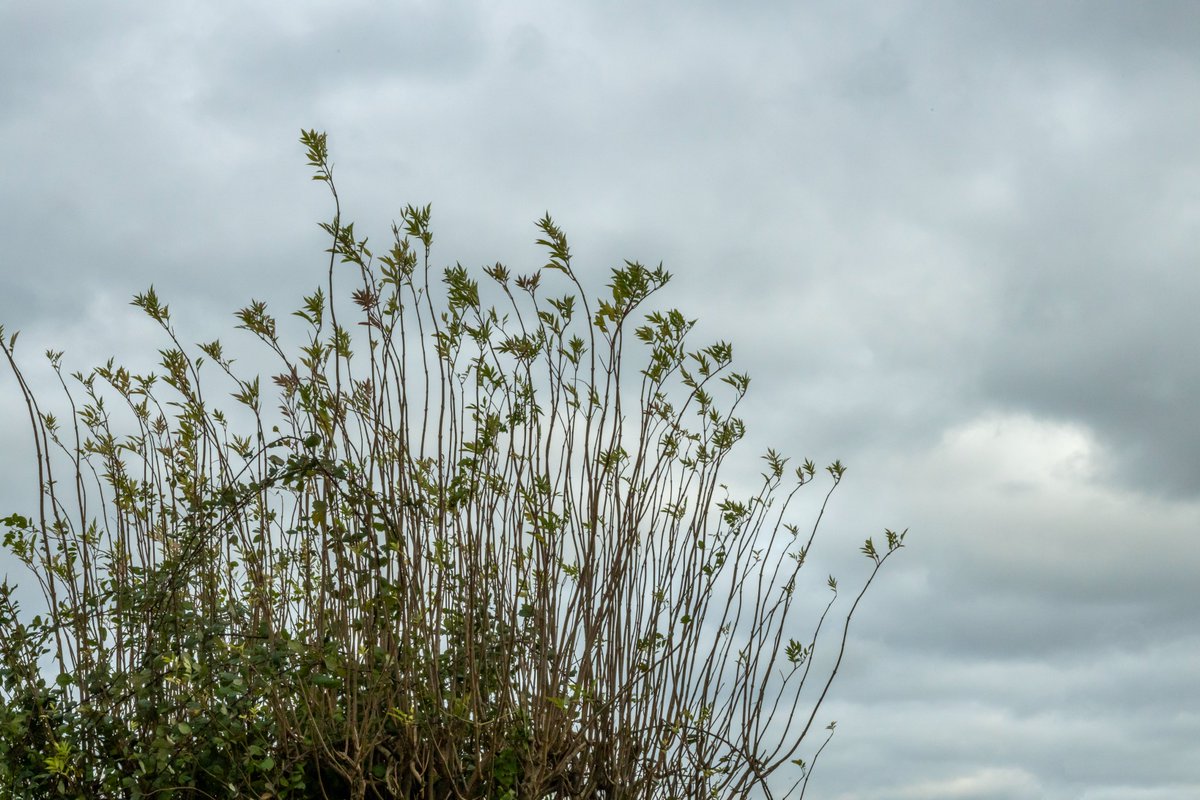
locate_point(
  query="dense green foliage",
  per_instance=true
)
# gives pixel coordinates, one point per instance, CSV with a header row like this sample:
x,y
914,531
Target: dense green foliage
x,y
471,552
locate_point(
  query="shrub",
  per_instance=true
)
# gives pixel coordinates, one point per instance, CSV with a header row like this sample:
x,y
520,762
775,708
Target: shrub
x,y
476,550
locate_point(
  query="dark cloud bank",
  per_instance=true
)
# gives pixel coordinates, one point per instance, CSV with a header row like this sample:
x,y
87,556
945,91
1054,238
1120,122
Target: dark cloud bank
x,y
954,243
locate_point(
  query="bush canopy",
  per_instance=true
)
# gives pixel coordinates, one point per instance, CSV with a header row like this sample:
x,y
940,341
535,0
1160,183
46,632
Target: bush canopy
x,y
475,546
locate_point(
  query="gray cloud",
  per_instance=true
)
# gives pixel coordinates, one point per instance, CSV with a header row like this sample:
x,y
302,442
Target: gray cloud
x,y
953,243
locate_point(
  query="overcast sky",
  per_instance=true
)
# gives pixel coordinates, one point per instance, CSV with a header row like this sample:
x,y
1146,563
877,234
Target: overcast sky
x,y
955,244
